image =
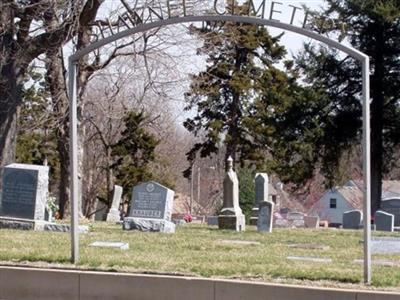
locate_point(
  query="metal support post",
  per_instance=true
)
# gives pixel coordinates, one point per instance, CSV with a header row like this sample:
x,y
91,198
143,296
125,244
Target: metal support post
x,y
366,171
73,127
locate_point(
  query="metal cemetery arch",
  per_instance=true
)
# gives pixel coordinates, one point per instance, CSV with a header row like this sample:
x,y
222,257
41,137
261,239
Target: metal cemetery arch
x,y
359,56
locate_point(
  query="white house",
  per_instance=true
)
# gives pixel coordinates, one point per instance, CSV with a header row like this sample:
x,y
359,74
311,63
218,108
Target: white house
x,y
338,200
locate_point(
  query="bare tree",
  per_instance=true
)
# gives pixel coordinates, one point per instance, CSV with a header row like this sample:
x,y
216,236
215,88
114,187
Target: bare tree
x,y
26,32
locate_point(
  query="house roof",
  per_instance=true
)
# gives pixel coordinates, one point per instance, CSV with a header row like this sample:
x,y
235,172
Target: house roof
x,y
353,195
352,191
271,189
390,188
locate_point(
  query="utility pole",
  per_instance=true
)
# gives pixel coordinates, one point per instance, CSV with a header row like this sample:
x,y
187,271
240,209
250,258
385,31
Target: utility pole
x,y
198,184
191,191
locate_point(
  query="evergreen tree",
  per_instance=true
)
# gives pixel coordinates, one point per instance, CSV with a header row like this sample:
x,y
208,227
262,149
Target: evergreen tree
x,y
134,151
240,83
247,193
36,140
373,27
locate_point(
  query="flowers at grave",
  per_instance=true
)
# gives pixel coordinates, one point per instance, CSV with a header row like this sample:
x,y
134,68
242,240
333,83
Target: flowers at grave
x,y
188,218
52,204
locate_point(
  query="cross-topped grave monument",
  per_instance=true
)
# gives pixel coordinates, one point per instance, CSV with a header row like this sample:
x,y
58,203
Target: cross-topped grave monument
x,y
231,216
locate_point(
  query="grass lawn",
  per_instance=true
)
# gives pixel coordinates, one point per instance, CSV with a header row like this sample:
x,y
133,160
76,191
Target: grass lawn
x,y
199,250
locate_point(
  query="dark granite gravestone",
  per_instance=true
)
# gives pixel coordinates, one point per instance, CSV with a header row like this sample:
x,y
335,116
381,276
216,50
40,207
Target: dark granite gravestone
x,y
352,219
261,194
151,208
392,206
151,200
24,191
265,215
384,221
212,220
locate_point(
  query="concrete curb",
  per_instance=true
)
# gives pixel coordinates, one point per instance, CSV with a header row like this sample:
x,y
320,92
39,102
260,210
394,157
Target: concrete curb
x,y
32,283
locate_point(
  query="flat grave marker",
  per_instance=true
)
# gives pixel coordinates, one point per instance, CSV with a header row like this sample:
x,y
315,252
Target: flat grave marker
x,y
310,259
105,244
238,242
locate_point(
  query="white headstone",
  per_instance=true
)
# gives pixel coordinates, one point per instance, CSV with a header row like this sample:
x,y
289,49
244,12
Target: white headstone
x,y
114,214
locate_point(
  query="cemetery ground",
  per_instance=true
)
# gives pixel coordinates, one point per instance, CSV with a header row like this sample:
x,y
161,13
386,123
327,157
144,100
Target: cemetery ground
x,y
205,251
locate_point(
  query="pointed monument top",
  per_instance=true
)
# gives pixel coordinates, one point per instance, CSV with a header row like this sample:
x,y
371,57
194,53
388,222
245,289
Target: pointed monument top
x,y
230,163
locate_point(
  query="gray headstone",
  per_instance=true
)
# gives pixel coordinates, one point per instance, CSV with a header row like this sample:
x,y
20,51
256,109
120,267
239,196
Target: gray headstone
x,y
151,208
392,206
282,223
114,215
261,187
231,216
295,216
311,221
384,221
261,194
101,211
352,219
24,191
295,219
212,220
151,200
265,216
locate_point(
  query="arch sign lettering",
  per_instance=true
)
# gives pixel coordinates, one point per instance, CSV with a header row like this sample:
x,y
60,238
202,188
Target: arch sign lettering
x,y
139,17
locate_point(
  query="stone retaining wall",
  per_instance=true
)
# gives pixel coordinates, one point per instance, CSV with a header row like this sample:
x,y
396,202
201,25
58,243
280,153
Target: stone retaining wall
x,y
30,283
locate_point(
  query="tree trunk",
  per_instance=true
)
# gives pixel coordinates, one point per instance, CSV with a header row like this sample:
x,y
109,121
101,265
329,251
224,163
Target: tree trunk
x,y
58,92
9,111
235,114
11,80
377,105
109,174
64,184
